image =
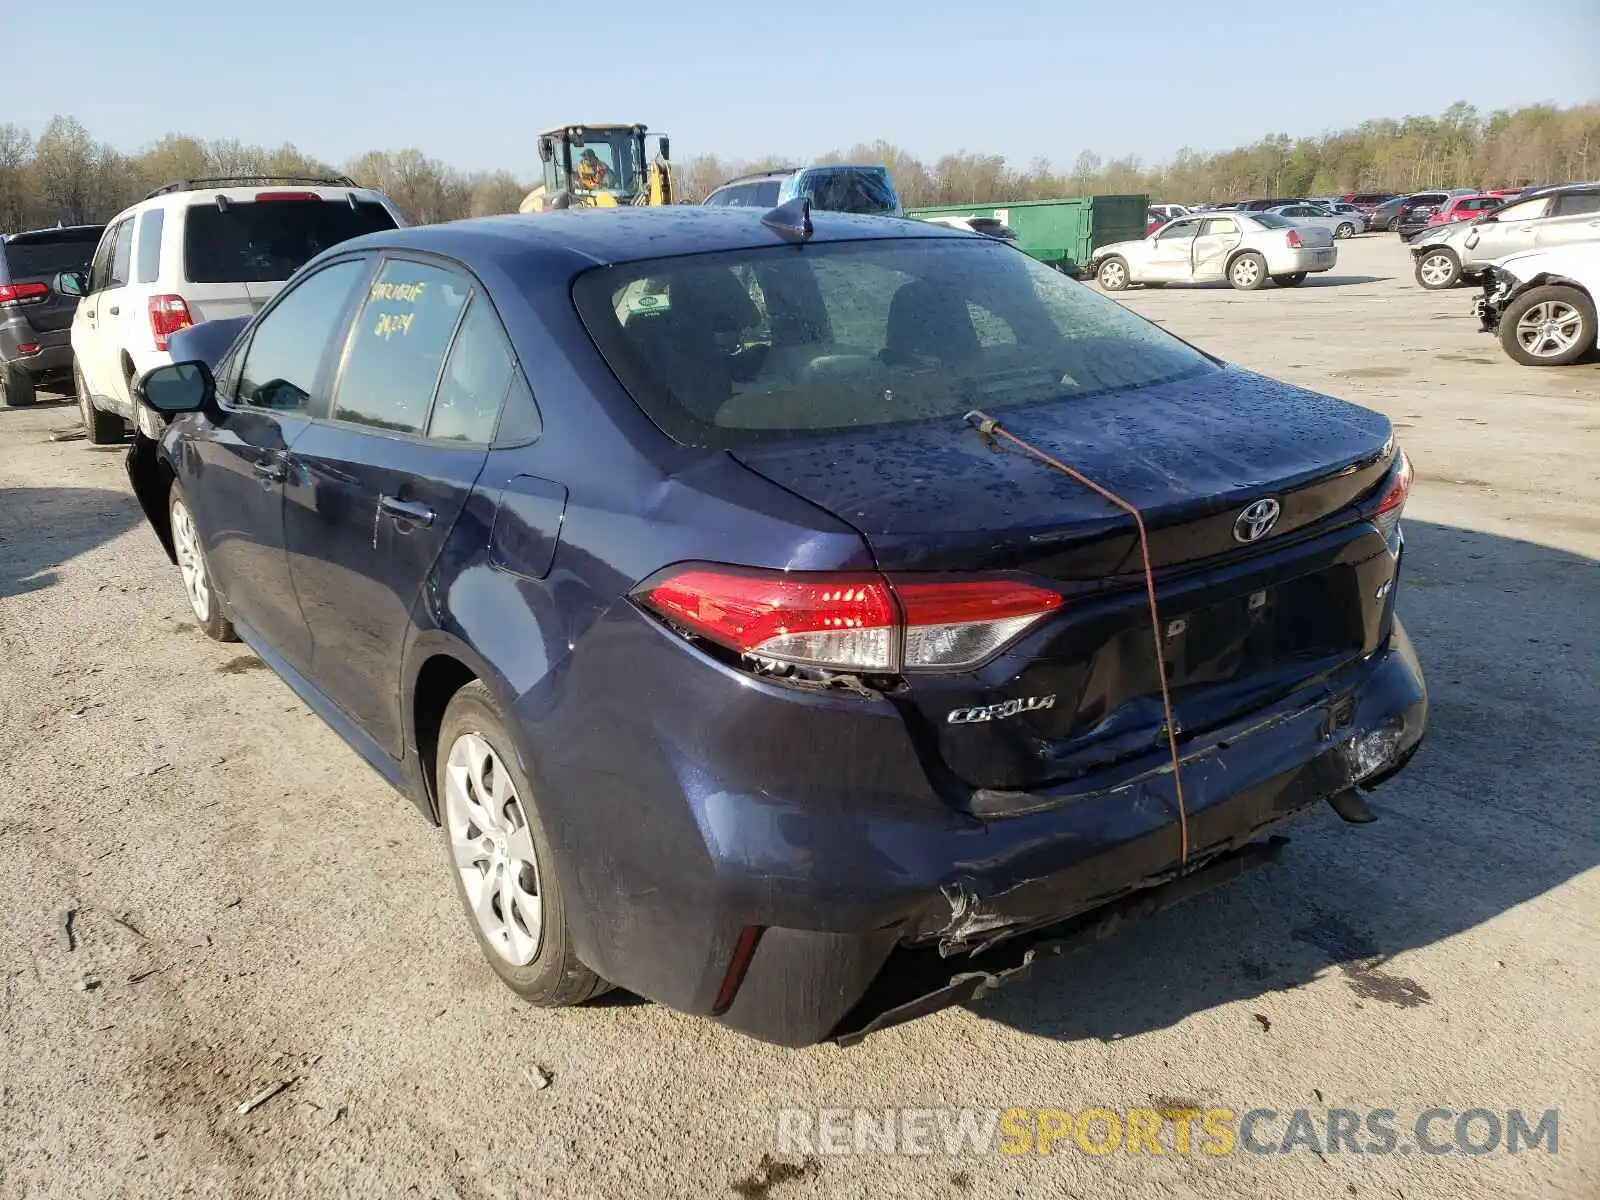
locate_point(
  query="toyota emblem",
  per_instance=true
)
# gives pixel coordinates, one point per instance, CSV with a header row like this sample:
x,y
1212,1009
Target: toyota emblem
x,y
1256,521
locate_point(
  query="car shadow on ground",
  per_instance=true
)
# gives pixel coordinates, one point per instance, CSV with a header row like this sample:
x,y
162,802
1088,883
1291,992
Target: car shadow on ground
x,y
1501,805
41,528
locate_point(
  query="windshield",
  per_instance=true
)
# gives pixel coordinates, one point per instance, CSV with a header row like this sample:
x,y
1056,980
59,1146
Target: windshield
x,y
605,163
773,343
266,241
40,256
848,189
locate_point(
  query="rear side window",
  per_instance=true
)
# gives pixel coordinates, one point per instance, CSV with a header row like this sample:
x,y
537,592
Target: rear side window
x,y
398,345
288,345
767,344
1576,203
266,241
150,224
475,379
43,256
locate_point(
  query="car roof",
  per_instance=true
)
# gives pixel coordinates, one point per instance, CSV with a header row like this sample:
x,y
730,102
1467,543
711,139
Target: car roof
x,y
785,172
579,239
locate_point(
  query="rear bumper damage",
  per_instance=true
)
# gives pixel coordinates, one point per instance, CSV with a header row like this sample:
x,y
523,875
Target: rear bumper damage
x,y
971,908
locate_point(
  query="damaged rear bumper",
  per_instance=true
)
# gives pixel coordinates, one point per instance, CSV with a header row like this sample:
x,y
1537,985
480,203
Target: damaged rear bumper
x,y
1047,872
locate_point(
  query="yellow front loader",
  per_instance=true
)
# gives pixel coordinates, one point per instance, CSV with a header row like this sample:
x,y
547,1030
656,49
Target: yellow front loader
x,y
600,166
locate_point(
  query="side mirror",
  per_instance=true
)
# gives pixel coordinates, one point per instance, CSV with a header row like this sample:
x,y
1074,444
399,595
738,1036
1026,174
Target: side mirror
x,y
177,388
666,147
72,283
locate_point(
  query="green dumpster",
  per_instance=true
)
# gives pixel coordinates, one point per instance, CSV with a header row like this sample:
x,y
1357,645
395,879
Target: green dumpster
x,y
1063,233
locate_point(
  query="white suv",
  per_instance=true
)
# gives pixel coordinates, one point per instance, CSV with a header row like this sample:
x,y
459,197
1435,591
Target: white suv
x,y
198,250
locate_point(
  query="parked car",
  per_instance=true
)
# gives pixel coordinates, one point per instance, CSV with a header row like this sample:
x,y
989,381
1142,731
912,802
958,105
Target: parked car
x,y
856,189
1266,205
1367,201
1381,219
1447,254
193,251
988,226
1246,249
35,319
1341,225
1542,303
1419,206
1465,208
660,564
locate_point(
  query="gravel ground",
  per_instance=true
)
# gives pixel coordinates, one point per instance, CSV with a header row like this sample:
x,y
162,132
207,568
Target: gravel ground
x,y
205,894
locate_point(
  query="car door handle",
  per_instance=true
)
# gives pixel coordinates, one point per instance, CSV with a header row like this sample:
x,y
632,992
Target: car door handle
x,y
271,470
90,314
113,310
406,510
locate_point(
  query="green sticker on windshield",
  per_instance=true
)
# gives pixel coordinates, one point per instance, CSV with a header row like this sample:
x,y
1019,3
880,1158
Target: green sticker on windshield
x,y
650,302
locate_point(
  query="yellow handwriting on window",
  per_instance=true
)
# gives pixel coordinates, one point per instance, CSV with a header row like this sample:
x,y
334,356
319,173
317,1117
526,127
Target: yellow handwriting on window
x,y
390,324
407,293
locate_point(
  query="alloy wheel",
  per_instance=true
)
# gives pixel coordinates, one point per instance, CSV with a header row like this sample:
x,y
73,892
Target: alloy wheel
x,y
1437,269
1549,328
1113,275
1246,272
191,562
492,848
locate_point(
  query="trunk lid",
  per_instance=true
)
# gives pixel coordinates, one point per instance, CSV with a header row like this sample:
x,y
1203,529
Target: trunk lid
x,y
1241,622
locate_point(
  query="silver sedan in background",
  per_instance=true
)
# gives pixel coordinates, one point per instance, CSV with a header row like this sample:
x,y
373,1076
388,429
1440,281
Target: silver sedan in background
x,y
1340,224
1246,249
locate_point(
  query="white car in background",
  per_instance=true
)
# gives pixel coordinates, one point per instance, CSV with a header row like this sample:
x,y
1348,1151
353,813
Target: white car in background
x,y
1542,304
1246,249
197,250
988,226
1170,212
1340,224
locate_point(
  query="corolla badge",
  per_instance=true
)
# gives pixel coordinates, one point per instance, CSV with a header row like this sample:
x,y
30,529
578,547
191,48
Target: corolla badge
x,y
999,712
1257,520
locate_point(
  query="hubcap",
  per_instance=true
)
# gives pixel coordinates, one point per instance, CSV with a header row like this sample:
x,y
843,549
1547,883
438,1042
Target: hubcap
x,y
191,563
493,849
1549,329
1436,268
1246,271
1112,275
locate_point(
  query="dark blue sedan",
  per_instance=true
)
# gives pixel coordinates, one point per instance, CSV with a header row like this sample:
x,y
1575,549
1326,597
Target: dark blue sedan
x,y
654,555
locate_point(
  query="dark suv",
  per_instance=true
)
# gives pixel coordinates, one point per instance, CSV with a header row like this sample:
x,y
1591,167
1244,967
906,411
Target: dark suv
x,y
35,320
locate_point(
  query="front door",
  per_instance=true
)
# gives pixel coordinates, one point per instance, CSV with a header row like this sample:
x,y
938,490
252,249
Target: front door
x,y
1169,259
1218,237
376,490
100,313
1512,229
268,399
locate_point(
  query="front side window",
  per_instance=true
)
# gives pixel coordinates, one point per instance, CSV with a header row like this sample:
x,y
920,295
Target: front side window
x,y
1179,231
266,241
290,342
848,335
121,255
397,346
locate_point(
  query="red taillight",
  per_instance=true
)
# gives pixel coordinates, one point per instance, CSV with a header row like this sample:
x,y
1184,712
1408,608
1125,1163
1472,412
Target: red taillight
x,y
266,196
850,622
27,347
1293,239
168,314
23,293
1393,501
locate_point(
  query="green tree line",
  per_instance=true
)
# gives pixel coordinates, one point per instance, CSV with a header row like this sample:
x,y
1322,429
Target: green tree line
x,y
63,174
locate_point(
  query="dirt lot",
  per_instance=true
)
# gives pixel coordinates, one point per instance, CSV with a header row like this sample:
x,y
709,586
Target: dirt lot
x,y
250,905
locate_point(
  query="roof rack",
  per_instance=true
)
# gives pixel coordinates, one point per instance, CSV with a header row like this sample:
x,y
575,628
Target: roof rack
x,y
190,185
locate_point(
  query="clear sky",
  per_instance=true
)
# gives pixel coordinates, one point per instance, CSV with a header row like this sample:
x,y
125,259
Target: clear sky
x,y
470,81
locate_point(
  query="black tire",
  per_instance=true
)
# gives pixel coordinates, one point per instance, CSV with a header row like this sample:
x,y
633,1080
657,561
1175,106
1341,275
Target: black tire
x,y
1563,299
105,429
1345,230
1155,283
1440,265
1240,276
555,978
16,387
212,622
1294,280
1117,268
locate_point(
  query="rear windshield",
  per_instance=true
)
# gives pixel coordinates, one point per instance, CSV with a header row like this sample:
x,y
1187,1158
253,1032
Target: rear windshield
x,y
44,255
849,191
774,343
268,241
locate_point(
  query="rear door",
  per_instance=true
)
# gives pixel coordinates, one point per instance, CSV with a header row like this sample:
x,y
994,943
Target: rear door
x,y
1218,237
376,489
103,311
1575,218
